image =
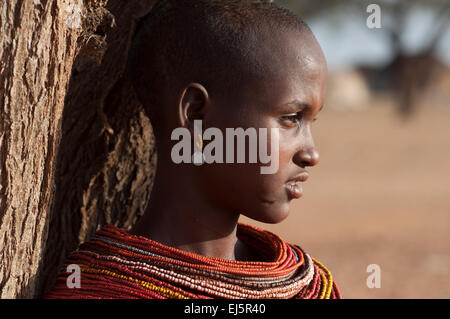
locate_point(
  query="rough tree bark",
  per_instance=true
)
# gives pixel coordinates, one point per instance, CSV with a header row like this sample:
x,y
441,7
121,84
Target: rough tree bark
x,y
76,148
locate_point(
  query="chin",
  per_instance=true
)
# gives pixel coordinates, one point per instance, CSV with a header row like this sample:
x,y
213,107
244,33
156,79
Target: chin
x,y
272,214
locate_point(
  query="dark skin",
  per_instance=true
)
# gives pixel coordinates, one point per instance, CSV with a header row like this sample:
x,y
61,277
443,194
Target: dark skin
x,y
197,208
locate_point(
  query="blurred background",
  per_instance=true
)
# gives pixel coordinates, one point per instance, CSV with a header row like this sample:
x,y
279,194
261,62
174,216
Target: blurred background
x,y
381,192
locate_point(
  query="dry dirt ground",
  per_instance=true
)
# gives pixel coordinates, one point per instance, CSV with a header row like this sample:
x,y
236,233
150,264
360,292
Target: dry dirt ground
x,y
380,195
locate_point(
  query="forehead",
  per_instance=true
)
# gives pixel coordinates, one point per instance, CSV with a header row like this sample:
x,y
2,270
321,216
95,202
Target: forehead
x,y
293,53
294,69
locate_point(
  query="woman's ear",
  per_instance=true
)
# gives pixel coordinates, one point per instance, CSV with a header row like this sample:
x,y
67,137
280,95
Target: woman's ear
x,y
193,105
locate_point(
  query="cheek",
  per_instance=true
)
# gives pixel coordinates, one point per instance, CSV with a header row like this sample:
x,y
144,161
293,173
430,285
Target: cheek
x,y
285,156
242,188
272,185
288,144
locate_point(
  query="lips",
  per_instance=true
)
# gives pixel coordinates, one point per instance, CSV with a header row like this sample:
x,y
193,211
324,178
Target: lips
x,y
294,187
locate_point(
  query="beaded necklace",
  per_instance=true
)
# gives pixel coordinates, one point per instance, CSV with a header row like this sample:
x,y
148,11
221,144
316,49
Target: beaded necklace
x,y
116,264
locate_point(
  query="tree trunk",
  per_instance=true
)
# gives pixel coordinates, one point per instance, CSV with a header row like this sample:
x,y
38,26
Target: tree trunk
x,y
76,149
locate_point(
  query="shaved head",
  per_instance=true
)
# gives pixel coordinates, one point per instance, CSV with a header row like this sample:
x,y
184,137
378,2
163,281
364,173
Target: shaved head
x,y
230,64
218,43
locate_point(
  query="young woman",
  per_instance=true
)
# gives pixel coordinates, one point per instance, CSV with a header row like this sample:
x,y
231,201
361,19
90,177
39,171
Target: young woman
x,y
227,65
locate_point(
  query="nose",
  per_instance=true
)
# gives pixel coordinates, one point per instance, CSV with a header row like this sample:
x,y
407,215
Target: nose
x,y
306,157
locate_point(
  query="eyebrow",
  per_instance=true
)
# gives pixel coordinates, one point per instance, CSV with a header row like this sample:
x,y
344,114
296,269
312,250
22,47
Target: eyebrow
x,y
302,105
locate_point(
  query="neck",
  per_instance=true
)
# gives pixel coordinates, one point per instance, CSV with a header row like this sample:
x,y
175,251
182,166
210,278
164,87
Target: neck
x,y
179,216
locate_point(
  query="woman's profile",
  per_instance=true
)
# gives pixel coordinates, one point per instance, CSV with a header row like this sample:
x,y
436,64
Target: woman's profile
x,y
230,65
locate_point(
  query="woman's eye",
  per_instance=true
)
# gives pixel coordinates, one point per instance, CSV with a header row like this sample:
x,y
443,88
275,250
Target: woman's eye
x,y
294,118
